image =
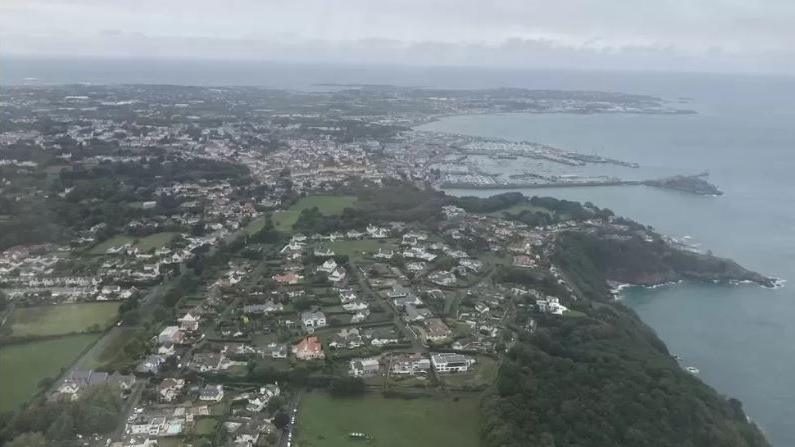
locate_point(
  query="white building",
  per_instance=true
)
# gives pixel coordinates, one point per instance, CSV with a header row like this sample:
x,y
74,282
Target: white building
x,y
448,362
313,320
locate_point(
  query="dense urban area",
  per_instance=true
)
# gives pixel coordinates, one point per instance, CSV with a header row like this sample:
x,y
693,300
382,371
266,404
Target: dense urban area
x,y
186,266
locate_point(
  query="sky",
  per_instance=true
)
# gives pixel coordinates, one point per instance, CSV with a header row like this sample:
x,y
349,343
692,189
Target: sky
x,y
666,35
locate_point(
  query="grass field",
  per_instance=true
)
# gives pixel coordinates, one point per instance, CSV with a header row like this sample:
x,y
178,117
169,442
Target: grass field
x,y
115,241
438,422
154,241
205,426
355,248
22,366
482,373
328,205
62,319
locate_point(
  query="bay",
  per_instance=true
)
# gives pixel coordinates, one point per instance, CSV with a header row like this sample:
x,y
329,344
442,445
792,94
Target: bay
x,y
742,338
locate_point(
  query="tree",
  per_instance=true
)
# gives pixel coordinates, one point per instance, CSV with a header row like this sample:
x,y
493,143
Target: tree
x,y
347,386
281,420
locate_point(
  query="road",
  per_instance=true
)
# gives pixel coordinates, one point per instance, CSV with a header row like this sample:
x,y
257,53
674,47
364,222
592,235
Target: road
x,y
408,334
286,435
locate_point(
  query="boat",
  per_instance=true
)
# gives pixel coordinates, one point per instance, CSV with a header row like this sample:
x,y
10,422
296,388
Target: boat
x,y
692,370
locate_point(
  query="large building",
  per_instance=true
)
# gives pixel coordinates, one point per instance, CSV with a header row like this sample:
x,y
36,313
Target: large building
x,y
449,362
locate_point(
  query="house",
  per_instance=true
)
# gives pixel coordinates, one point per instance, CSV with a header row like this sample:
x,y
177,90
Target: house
x,y
451,212
337,275
151,364
309,348
360,316
414,313
171,334
436,330
449,362
376,232
170,388
278,351
442,278
524,261
353,234
347,338
364,367
190,322
551,305
167,349
328,266
270,306
313,320
209,362
410,364
80,380
474,265
355,306
323,252
287,278
384,254
347,296
212,393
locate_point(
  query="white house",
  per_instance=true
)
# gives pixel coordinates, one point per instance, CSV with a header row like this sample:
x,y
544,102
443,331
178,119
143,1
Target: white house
x,y
313,320
189,322
364,367
449,362
212,393
328,266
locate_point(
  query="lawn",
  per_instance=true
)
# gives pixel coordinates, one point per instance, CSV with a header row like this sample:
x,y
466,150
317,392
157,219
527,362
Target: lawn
x,y
355,248
255,225
482,373
22,366
205,426
440,422
115,241
62,318
328,205
155,241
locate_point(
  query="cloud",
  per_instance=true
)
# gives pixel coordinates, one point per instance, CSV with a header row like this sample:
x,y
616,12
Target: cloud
x,y
712,35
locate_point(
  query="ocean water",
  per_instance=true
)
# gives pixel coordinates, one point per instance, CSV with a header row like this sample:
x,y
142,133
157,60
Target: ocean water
x,y
742,338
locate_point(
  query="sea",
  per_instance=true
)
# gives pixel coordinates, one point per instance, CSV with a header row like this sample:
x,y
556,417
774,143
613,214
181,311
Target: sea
x,y
741,338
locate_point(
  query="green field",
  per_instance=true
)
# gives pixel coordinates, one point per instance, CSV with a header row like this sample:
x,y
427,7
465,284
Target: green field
x,y
62,319
205,426
328,205
354,248
438,422
115,241
154,241
22,366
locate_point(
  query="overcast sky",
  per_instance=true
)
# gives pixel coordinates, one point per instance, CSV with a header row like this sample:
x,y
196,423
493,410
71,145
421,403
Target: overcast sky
x,y
688,35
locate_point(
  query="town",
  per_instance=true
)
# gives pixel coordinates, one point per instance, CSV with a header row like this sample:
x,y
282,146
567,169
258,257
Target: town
x,y
215,266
